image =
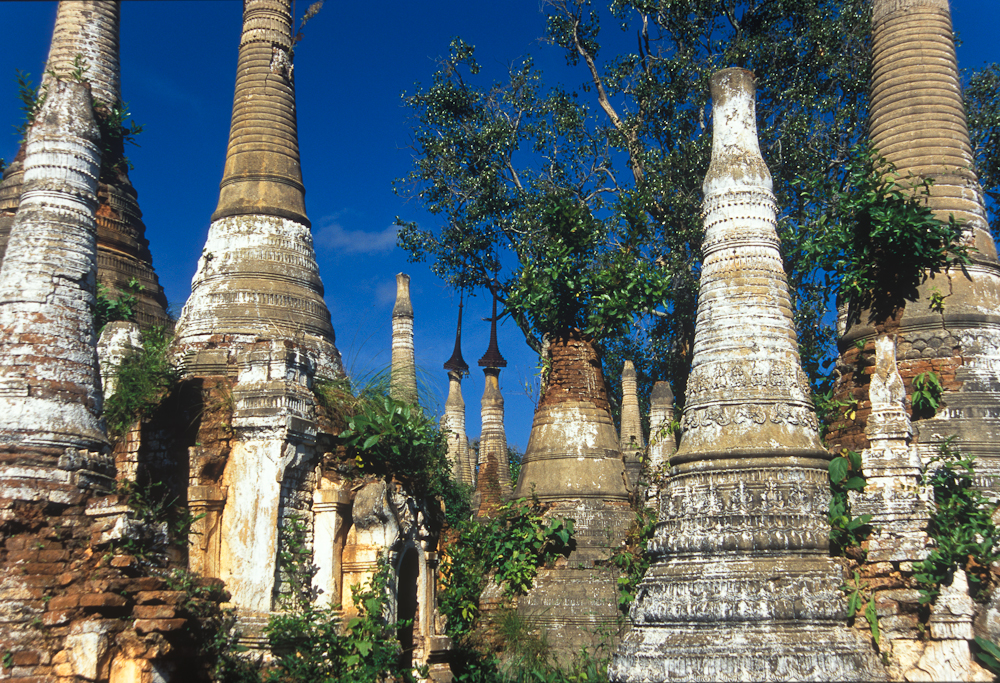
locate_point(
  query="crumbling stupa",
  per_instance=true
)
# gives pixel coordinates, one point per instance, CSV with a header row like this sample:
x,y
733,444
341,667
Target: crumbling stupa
x,y
86,37
403,380
50,389
453,420
573,464
742,587
918,124
256,318
493,474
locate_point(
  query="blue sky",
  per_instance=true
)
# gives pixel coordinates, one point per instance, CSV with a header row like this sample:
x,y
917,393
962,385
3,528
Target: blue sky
x,y
178,71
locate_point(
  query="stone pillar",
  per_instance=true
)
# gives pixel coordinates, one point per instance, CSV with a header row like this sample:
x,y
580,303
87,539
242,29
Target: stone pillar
x,y
50,387
332,514
403,382
742,587
574,466
206,504
88,29
918,124
256,314
662,443
493,478
633,445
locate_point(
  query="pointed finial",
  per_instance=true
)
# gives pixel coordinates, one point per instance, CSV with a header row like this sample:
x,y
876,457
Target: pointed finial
x,y
456,363
492,357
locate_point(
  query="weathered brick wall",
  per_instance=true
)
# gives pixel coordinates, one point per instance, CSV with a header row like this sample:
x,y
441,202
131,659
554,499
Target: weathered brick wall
x,y
73,607
925,351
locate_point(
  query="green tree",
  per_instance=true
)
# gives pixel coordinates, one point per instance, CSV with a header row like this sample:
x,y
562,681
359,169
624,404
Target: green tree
x,y
983,108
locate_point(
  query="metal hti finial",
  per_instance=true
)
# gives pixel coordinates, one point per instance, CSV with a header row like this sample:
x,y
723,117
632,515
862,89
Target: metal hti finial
x,y
456,363
492,357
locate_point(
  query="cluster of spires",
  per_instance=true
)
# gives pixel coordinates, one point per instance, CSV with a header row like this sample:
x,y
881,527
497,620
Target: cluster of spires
x,y
750,449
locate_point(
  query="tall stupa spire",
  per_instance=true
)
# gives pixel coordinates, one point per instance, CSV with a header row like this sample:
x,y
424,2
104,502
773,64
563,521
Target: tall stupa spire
x,y
403,380
742,586
453,420
86,36
262,174
50,389
258,276
493,479
256,314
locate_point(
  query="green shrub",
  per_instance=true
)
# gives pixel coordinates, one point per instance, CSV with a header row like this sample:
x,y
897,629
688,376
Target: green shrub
x,y
846,475
109,310
631,559
312,645
143,378
961,524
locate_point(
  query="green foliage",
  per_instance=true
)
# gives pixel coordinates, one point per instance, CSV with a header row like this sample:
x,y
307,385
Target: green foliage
x,y
394,438
295,564
32,99
983,110
631,559
143,378
988,654
927,390
514,460
830,410
108,309
163,519
858,598
312,645
875,238
846,475
570,281
510,546
117,130
961,524
213,629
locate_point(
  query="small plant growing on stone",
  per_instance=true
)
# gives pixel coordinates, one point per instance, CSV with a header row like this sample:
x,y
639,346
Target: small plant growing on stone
x,y
961,524
631,558
109,309
143,378
858,598
927,391
162,520
936,300
32,99
988,654
846,475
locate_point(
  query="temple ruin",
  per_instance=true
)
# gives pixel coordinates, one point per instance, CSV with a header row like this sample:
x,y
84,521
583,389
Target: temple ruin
x,y
250,437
